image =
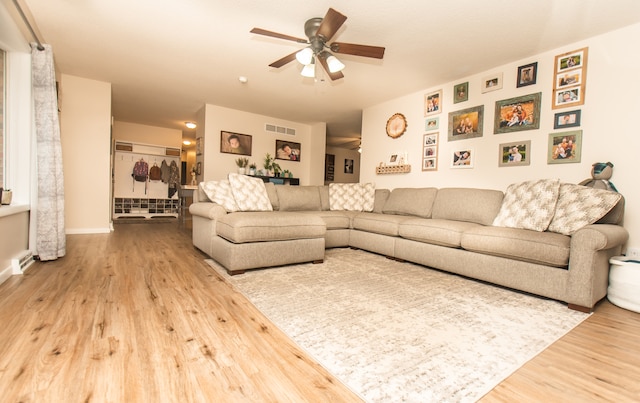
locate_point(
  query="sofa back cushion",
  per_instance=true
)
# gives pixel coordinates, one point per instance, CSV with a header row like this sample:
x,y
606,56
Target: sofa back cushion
x,y
380,198
299,198
410,201
273,195
467,204
324,197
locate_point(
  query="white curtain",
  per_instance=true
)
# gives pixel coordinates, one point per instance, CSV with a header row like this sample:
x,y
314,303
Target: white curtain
x,y
50,232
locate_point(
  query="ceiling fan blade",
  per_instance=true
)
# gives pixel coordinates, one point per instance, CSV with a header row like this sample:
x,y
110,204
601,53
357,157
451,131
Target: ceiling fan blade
x,y
375,52
331,23
272,34
334,76
281,62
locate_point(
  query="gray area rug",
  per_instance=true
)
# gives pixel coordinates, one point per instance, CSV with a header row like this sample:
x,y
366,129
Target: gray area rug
x,y
399,332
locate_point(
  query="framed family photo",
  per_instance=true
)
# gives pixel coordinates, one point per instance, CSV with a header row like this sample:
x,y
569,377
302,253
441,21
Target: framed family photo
x,y
460,92
432,124
430,152
462,158
514,154
517,114
432,103
429,164
570,78
466,123
430,140
568,119
235,143
527,74
565,147
492,82
287,150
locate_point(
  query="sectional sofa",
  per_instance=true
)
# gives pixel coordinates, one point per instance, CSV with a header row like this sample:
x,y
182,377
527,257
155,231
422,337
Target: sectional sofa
x,y
541,237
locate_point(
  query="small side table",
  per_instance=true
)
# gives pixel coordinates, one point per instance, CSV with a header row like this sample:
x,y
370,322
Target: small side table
x,y
624,283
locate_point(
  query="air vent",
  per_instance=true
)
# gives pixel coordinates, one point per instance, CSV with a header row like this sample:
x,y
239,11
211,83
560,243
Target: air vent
x,y
20,264
279,129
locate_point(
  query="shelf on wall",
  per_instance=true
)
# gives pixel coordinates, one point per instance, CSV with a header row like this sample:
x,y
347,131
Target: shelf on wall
x,y
393,169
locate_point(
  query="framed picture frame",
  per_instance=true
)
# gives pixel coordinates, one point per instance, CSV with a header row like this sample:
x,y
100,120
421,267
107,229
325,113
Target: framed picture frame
x,y
517,114
570,78
466,123
564,147
432,124
514,154
430,139
568,97
393,159
433,103
564,120
348,166
462,158
430,145
527,75
461,92
492,82
235,143
429,164
287,150
199,145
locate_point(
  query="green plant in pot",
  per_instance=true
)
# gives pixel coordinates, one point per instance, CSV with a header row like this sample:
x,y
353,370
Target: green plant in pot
x,y
242,164
268,164
252,168
276,168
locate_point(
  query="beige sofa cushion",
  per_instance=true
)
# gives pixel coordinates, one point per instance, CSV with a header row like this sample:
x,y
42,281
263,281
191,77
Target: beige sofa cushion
x,y
385,224
465,204
579,206
547,248
529,205
381,196
220,192
299,198
242,227
410,201
435,231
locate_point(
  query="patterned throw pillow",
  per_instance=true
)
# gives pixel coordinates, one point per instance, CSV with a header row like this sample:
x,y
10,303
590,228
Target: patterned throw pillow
x,y
579,206
368,196
250,193
529,205
220,192
347,196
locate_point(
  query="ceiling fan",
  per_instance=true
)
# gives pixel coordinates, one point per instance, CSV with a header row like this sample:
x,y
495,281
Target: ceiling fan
x,y
320,31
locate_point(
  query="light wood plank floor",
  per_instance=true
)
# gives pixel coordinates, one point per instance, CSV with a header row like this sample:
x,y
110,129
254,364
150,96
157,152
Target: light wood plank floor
x,y
137,316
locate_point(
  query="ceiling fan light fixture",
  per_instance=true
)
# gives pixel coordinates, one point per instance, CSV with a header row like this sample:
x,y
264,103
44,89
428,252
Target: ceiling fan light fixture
x,y
305,56
309,70
334,64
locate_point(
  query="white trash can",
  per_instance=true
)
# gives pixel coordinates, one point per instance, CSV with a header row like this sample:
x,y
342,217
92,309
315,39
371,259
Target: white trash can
x,y
624,283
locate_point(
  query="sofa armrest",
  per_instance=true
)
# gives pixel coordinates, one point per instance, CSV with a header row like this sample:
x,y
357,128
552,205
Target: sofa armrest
x,y
208,210
591,249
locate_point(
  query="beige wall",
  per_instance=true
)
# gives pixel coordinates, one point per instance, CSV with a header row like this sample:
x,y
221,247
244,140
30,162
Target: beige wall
x,y
608,125
218,165
85,126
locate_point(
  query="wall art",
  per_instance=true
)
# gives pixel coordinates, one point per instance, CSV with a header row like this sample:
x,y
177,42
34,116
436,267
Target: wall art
x,y
564,120
287,150
433,103
432,124
492,82
462,158
460,92
527,75
514,154
570,78
564,147
466,123
517,114
235,143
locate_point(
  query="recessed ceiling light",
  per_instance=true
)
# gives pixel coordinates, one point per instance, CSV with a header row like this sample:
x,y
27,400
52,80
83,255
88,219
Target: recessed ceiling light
x,y
190,125
186,142
243,79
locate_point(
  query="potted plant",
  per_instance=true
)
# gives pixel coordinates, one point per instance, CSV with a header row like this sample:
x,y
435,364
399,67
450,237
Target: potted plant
x,y
242,165
287,174
252,169
268,164
276,169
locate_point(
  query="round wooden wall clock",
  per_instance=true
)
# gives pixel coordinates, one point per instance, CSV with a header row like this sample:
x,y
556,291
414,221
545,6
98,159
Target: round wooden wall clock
x,y
396,125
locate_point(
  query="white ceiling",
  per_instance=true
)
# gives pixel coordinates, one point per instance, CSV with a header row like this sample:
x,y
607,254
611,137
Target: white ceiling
x,y
167,58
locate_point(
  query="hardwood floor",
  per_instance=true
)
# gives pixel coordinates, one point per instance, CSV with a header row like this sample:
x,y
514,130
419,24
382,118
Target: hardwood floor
x,y
137,316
